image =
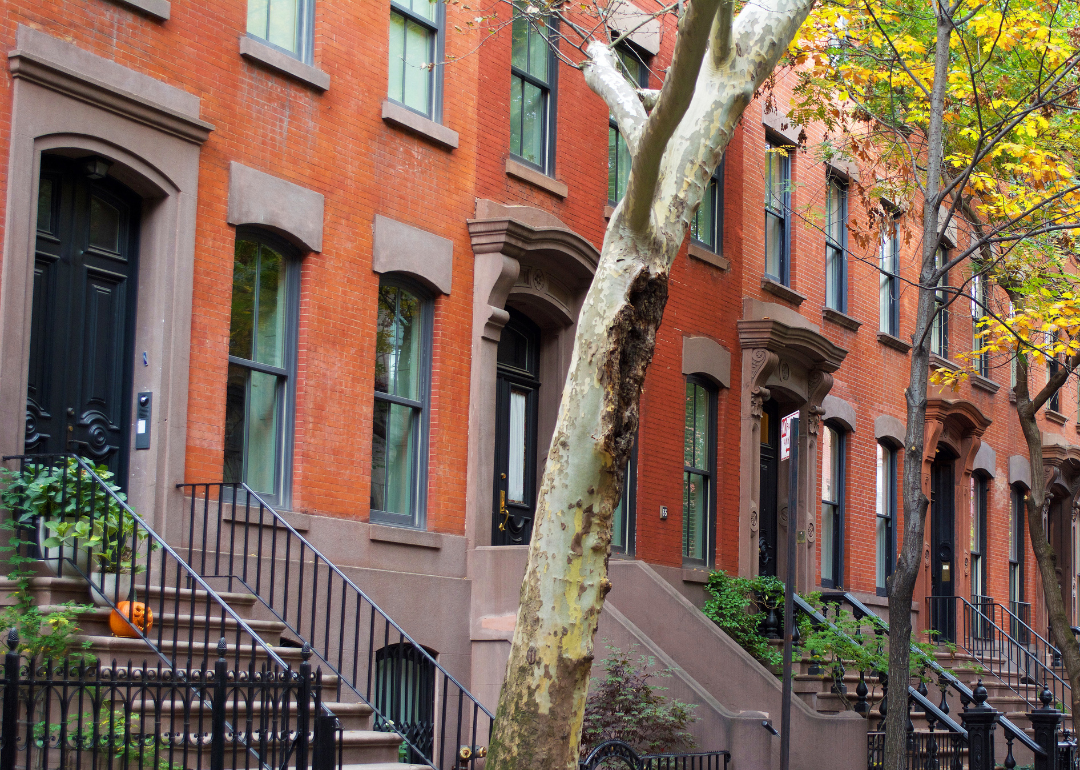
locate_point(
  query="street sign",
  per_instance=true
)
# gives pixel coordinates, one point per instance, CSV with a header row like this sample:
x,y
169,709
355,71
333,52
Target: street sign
x,y
785,435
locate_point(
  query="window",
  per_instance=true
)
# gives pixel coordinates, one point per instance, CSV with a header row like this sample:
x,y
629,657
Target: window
x,y
939,330
777,203
708,223
699,459
415,48
836,246
1053,404
399,426
979,491
285,24
832,507
889,280
532,79
633,66
980,306
622,527
1020,609
262,365
886,516
405,697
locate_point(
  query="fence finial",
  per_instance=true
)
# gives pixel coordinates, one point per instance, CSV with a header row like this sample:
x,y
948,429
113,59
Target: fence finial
x,y
305,651
13,639
222,647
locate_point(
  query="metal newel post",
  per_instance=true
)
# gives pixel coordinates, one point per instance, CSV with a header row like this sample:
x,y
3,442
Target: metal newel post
x,y
789,596
9,728
980,718
1045,722
303,709
217,715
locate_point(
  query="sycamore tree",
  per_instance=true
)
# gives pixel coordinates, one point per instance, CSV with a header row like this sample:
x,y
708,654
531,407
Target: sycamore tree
x,y
675,137
961,114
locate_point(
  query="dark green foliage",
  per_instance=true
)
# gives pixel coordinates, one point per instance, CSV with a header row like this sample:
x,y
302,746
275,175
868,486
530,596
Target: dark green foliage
x,y
624,706
738,606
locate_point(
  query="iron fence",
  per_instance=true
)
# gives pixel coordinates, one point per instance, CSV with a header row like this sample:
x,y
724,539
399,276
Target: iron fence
x,y
234,538
615,754
79,714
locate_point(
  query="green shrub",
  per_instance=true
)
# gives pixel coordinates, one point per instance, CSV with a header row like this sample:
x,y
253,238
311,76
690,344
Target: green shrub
x,y
738,606
624,706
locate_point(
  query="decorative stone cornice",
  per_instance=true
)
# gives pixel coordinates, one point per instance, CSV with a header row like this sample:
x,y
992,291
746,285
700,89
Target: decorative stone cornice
x,y
960,413
816,351
577,258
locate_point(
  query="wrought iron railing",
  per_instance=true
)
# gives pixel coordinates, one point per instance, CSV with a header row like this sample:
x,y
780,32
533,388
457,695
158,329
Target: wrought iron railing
x,y
861,611
1019,620
75,714
985,631
234,535
938,750
615,753
125,560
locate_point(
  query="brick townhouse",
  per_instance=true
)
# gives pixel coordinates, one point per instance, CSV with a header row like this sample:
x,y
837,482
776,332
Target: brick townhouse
x,y
260,242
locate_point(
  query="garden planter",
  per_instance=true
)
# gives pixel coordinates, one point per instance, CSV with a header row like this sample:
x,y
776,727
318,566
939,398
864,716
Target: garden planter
x,y
107,582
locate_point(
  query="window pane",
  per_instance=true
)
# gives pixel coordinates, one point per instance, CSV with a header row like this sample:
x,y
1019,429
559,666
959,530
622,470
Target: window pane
x,y
235,433
104,225
397,57
688,427
245,268
532,128
45,205
538,51
774,234
515,115
284,23
417,86
613,164
882,550
425,8
258,13
393,457
270,336
828,531
397,343
262,425
828,464
519,399
624,165
832,277
519,50
703,226
695,499
774,179
701,427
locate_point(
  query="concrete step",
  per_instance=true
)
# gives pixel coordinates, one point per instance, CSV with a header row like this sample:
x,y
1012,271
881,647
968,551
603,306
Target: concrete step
x,y
95,622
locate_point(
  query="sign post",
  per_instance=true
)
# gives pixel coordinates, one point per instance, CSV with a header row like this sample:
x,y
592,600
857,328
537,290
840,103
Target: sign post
x,y
790,427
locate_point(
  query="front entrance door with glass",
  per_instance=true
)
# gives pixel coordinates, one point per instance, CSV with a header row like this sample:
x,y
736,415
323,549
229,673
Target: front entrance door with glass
x,y
942,547
516,408
82,325
770,461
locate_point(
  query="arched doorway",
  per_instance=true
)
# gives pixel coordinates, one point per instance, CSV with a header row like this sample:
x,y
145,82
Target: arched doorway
x,y
517,391
83,320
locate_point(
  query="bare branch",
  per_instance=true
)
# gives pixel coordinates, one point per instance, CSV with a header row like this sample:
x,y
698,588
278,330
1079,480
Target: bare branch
x,y
605,78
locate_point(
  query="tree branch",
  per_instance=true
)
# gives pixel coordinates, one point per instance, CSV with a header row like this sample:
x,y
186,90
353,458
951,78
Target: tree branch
x,y
720,46
605,78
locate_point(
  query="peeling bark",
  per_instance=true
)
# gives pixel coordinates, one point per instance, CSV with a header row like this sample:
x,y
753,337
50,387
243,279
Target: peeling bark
x,y
538,722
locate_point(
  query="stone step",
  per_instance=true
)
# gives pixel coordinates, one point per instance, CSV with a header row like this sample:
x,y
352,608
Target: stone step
x,y
95,622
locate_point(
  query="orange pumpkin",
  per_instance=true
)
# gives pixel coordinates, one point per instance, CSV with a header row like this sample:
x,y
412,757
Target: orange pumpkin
x,y
139,615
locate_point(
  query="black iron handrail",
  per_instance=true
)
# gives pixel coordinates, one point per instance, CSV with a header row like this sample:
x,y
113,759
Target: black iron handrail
x,y
131,543
621,752
369,652
965,692
983,637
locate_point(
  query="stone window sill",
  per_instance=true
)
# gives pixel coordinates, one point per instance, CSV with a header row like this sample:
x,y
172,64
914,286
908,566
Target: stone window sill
x,y
155,9
983,383
382,533
1057,417
840,319
940,362
895,343
709,257
414,122
536,178
778,289
695,575
256,51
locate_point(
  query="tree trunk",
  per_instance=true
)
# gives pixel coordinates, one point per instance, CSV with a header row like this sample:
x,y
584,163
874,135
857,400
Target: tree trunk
x,y
1037,507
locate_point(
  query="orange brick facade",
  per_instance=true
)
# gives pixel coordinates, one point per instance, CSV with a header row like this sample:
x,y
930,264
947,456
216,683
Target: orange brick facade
x,y
337,144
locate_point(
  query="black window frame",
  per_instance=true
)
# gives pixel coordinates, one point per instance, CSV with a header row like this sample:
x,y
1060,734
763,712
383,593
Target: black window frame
x,y
980,489
716,181
438,27
418,518
784,257
980,304
628,501
939,331
890,471
1053,404
836,251
838,531
890,278
305,33
710,473
1017,562
292,258
642,80
550,89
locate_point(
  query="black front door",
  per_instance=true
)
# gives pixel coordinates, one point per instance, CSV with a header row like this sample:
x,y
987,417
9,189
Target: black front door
x,y
942,551
82,330
770,459
516,408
